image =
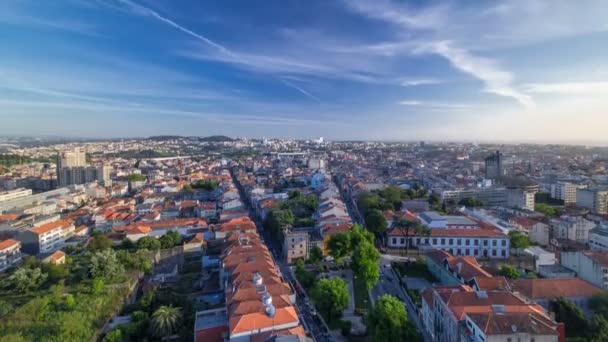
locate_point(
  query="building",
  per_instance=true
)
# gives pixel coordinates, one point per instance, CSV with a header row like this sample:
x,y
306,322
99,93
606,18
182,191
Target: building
x,y
83,175
260,304
494,167
541,257
520,199
73,158
295,246
574,228
451,270
594,199
538,232
460,313
10,253
543,291
591,266
598,237
458,235
14,194
46,238
564,191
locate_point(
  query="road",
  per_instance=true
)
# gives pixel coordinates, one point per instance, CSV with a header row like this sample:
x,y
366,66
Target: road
x,y
389,284
311,321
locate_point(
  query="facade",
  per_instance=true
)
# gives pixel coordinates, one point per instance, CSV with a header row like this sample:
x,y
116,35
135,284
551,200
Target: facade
x,y
520,199
538,232
564,191
83,175
451,270
47,237
10,253
73,158
296,246
494,168
598,237
591,266
574,228
594,199
14,194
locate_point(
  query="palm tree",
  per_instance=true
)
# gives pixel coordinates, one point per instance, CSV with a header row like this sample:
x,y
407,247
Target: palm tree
x,y
165,320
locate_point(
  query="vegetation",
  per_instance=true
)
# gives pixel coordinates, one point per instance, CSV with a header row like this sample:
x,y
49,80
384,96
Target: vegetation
x,y
546,210
416,269
388,321
8,160
375,221
316,255
519,240
330,297
170,239
545,197
471,202
148,242
25,279
165,320
205,185
105,264
569,314
365,263
135,177
411,226
509,271
100,242
362,302
339,246
277,221
306,279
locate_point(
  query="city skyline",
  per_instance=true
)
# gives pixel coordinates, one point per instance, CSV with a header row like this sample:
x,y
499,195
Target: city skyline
x,y
380,70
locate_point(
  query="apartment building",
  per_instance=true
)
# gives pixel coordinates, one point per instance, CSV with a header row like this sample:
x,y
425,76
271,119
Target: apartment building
x,y
591,266
574,228
259,303
14,194
296,246
47,238
10,253
594,199
460,313
564,191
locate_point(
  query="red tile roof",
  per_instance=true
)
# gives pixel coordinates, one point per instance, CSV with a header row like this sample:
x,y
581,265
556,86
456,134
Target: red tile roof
x,y
8,244
554,288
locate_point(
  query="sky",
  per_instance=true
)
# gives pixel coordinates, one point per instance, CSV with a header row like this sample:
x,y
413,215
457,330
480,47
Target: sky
x,y
461,70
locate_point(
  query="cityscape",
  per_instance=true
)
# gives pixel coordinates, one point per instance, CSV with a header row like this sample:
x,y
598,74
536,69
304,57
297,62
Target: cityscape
x,y
303,171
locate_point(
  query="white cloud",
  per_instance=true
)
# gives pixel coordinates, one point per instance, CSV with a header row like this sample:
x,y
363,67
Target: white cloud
x,y
410,82
568,88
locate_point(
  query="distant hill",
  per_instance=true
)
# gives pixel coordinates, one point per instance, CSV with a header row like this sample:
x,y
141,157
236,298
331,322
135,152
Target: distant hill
x,y
216,138
213,138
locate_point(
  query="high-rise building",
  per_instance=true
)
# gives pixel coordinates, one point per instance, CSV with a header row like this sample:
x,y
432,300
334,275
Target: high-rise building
x,y
564,191
72,169
594,199
73,158
494,168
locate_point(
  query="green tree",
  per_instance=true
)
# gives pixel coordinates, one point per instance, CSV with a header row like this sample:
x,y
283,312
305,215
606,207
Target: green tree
x,y
358,235
509,271
113,336
388,322
567,313
598,303
316,255
365,263
100,242
339,246
368,201
70,302
26,279
546,210
105,264
170,239
471,202
97,286
187,188
135,177
330,297
166,320
599,328
434,201
148,242
376,222
306,279
519,241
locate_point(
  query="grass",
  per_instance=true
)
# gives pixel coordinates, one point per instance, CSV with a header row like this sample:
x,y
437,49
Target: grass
x,y
415,270
362,302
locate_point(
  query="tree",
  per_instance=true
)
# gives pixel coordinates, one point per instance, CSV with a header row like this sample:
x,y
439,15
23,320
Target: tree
x,y
434,201
358,235
365,263
105,264
187,188
316,255
598,303
100,242
26,279
331,297
388,322
70,302
339,246
599,328
471,202
113,336
166,320
170,239
368,201
519,241
546,210
148,242
567,313
306,279
509,271
97,285
375,221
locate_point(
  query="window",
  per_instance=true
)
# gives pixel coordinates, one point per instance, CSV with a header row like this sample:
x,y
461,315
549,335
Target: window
x,y
417,241
451,242
466,252
443,241
467,242
475,252
503,253
493,252
403,241
394,241
504,242
485,242
494,243
458,242
476,242
434,241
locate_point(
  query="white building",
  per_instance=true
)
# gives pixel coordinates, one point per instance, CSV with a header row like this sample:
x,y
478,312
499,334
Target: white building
x,y
598,237
47,238
593,199
10,253
14,194
564,191
591,266
574,228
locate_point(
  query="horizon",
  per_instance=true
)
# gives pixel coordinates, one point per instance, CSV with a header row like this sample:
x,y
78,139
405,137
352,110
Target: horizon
x,y
345,70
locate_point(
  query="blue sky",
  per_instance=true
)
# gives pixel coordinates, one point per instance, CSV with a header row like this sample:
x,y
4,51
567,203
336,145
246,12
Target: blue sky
x,y
512,70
